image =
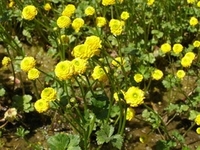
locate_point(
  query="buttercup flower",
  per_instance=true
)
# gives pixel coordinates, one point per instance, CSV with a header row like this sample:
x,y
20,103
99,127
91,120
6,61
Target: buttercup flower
x,y
82,51
29,12
150,2
100,21
193,21
63,22
196,43
48,94
41,105
177,48
80,65
186,62
198,130
166,47
5,61
157,74
130,114
33,74
116,26
89,11
190,55
124,15
47,7
77,24
191,1
116,95
118,61
11,3
197,120
69,10
99,73
64,70
138,77
110,2
94,43
27,63
134,96
180,74
198,4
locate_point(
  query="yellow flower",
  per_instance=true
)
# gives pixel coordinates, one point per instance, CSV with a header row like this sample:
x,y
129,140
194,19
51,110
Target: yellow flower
x,y
6,61
63,22
94,43
33,74
197,120
138,77
80,65
198,130
130,114
77,24
134,96
89,11
69,10
47,7
116,95
29,12
166,47
64,70
190,55
110,2
82,51
157,74
99,73
150,2
177,48
124,15
196,43
180,74
11,4
118,61
27,63
193,21
48,94
100,21
41,105
116,26
186,62
198,4
191,1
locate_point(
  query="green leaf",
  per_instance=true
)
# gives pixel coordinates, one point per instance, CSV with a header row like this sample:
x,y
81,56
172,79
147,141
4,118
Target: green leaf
x,y
59,141
2,91
74,142
117,141
193,114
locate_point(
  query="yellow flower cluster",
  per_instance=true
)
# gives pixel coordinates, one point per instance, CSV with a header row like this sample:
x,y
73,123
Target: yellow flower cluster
x,y
77,24
187,60
89,11
99,73
100,21
116,26
63,22
29,12
33,74
134,96
157,74
48,94
27,64
80,65
41,105
5,61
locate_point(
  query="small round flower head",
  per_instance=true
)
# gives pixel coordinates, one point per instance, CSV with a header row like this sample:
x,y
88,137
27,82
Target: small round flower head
x,y
5,61
47,7
41,105
196,43
198,4
82,51
166,47
29,12
118,61
48,94
69,10
150,2
63,22
157,74
64,70
27,63
116,26
190,55
100,21
99,73
138,77
191,1
177,48
198,130
180,74
33,74
77,24
134,96
11,3
80,65
110,2
130,114
197,120
94,43
89,11
11,114
193,21
186,62
124,15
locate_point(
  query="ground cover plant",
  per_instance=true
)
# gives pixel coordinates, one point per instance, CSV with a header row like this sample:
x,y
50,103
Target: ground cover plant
x,y
100,74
